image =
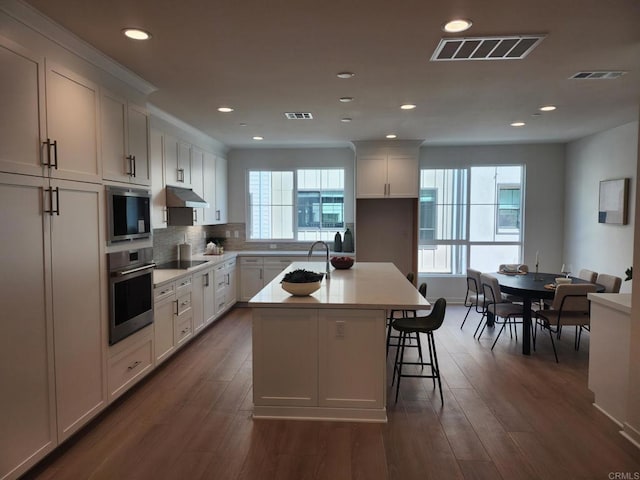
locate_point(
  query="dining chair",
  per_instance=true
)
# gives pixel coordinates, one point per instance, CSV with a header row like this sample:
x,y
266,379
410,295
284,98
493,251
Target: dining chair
x,y
504,313
570,307
513,268
395,314
588,275
610,283
499,297
473,298
418,325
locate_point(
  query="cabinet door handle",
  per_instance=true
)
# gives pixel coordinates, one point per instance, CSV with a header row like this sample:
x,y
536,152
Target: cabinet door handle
x,y
229,278
51,211
260,274
134,166
181,175
134,365
165,215
50,144
217,214
206,275
177,307
195,215
388,189
130,159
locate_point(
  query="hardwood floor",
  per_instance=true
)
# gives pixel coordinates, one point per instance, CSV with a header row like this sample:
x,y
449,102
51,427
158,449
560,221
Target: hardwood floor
x,y
505,416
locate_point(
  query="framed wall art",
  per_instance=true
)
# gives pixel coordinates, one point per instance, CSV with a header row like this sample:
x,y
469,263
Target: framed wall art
x,y
614,198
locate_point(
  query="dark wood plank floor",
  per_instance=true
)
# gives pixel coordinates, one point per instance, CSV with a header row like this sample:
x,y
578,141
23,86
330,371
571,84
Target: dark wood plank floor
x,y
505,416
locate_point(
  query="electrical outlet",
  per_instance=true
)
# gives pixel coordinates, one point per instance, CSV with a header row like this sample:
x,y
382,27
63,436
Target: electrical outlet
x,y
340,329
227,234
236,234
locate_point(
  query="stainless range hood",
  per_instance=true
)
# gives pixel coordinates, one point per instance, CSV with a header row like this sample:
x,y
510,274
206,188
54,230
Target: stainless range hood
x,y
180,206
184,197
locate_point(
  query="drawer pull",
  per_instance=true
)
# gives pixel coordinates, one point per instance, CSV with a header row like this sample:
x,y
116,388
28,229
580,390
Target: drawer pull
x,y
134,365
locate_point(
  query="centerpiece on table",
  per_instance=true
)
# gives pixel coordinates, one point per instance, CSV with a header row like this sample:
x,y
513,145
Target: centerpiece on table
x,y
301,282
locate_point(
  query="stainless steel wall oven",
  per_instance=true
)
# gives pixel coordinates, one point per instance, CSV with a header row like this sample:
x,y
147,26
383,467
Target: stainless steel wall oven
x,y
130,292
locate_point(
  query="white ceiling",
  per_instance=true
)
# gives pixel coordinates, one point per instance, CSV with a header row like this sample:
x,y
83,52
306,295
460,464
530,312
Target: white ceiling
x,y
265,58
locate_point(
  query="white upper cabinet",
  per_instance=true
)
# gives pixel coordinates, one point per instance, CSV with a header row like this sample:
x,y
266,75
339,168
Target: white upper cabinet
x,y
220,211
22,100
387,176
158,197
125,151
209,188
177,157
197,182
70,146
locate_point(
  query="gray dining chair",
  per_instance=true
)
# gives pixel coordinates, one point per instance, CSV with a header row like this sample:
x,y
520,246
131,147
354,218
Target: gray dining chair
x,y
570,307
473,298
610,283
588,275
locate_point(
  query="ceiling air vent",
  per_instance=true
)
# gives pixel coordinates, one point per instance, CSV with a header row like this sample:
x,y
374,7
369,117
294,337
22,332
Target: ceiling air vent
x,y
599,75
298,116
513,47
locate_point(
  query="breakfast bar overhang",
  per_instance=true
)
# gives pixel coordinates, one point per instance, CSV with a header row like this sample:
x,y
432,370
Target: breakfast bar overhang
x,y
323,356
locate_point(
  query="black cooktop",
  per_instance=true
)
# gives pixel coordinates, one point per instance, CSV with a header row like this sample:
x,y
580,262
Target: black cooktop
x,y
180,264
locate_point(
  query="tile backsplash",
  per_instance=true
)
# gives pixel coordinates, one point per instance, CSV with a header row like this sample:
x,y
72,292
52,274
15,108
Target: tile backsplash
x,y
166,240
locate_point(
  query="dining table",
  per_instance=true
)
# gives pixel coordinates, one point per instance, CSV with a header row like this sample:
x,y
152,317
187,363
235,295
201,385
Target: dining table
x,y
531,286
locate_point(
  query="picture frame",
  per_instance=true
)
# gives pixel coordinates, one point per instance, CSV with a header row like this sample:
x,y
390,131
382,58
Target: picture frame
x,y
613,201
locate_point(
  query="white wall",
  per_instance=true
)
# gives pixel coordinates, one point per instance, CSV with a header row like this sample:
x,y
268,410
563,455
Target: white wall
x,y
588,244
241,160
544,201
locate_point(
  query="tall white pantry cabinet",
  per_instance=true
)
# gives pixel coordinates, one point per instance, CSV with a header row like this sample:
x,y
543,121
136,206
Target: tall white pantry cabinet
x,y
53,345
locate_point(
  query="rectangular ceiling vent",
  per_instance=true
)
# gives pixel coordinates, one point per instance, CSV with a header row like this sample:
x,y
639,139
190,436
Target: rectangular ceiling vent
x,y
512,47
599,75
298,116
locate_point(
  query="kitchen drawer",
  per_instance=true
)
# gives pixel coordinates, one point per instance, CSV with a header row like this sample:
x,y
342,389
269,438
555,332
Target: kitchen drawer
x,y
221,302
283,262
129,367
165,291
251,261
183,284
184,328
184,303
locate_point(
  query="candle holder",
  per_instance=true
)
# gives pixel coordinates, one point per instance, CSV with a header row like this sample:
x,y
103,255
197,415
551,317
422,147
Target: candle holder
x,y
536,276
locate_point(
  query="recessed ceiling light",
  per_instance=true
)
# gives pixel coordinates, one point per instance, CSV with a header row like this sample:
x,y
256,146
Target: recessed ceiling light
x,y
346,99
457,25
518,124
258,138
136,34
345,120
225,109
392,135
407,106
346,75
242,124
547,108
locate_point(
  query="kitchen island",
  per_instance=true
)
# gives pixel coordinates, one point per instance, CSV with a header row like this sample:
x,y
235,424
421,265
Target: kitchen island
x,y
323,356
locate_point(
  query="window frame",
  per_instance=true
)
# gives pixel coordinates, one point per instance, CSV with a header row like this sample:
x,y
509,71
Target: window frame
x,y
329,231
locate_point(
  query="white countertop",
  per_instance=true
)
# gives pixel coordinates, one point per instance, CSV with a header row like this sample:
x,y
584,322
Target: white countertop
x,y
365,285
617,301
168,275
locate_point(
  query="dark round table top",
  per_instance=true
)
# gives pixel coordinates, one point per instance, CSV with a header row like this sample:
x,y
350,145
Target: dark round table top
x,y
533,284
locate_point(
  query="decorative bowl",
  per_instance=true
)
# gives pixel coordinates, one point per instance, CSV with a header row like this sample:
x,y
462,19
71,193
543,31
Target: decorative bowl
x,y
300,289
341,263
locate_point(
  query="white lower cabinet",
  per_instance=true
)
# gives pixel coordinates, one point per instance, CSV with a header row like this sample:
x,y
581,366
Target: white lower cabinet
x,y
256,272
130,361
225,286
203,297
53,345
172,317
339,368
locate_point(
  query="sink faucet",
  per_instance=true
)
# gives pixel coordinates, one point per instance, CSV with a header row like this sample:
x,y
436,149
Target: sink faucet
x,y
327,274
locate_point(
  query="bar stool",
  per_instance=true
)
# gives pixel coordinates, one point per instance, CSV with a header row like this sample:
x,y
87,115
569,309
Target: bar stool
x,y
404,314
418,325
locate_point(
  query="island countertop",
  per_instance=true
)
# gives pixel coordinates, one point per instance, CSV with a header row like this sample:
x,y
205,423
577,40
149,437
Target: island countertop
x,y
365,285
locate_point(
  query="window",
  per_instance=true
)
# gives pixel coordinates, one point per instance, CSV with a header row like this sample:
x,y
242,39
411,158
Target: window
x,y
315,195
508,212
470,217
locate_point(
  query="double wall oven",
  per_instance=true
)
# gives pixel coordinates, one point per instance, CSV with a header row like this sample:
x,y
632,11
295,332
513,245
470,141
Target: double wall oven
x,y
130,292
